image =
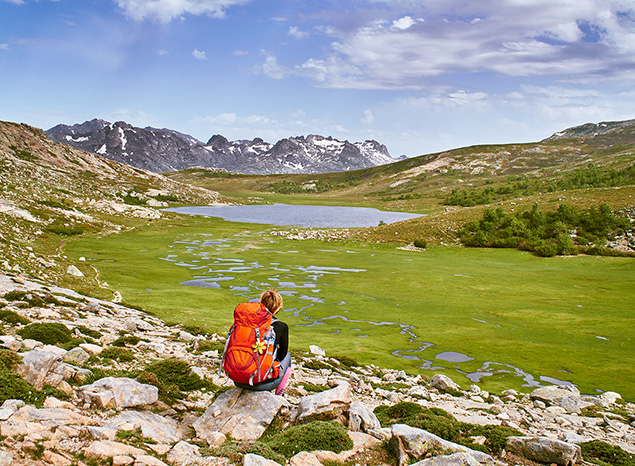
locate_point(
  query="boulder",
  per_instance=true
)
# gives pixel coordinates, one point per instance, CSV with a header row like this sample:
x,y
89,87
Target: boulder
x,y
254,460
304,458
184,454
49,417
6,458
9,407
108,449
362,419
336,401
37,365
443,383
147,460
91,349
410,442
158,428
120,392
565,396
241,414
455,459
77,357
545,450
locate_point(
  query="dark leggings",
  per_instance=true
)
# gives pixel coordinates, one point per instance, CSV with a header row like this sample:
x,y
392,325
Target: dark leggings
x,y
278,383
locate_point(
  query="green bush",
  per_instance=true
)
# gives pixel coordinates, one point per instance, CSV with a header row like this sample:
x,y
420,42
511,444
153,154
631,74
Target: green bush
x,y
443,424
63,230
346,361
49,333
90,332
604,454
421,244
118,354
11,317
14,387
319,435
264,450
8,359
207,345
126,340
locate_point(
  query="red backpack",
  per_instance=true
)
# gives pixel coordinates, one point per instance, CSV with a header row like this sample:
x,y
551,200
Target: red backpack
x,y
250,353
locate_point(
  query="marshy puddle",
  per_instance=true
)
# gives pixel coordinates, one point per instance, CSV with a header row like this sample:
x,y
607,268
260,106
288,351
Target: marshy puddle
x,y
303,285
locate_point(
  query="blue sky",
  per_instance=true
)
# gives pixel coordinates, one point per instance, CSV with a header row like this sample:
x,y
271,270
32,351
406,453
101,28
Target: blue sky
x,y
419,76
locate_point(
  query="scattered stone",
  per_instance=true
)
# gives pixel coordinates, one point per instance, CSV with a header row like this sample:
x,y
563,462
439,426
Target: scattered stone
x,y
241,414
545,450
6,458
120,392
91,349
108,449
158,428
443,383
362,419
74,271
254,460
335,401
313,349
77,357
304,458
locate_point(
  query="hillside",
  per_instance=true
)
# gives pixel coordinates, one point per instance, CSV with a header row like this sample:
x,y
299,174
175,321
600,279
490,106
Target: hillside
x,y
50,191
592,163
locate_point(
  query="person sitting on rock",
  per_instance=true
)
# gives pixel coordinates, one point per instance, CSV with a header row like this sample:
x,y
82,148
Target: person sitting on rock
x,y
272,301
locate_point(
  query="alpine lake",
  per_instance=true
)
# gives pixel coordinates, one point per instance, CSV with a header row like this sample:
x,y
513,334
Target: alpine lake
x,y
497,317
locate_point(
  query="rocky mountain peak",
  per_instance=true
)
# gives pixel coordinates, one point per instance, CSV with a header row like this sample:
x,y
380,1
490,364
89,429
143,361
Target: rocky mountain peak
x,y
167,150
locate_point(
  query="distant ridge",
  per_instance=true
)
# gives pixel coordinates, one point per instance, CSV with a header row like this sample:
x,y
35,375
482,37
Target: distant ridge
x,y
161,150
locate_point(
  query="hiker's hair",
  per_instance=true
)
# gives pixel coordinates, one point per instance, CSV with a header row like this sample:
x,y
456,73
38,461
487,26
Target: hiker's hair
x,y
272,300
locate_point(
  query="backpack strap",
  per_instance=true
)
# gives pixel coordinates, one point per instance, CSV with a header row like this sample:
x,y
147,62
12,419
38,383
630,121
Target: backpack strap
x,y
222,361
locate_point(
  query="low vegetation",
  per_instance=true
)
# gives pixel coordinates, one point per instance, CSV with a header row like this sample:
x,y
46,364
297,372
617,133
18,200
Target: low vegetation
x,y
568,230
49,333
318,435
443,424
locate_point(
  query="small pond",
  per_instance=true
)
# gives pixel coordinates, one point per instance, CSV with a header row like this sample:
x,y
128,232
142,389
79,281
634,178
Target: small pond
x,y
309,216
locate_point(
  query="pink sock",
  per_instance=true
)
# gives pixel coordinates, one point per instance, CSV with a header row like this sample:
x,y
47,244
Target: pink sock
x,y
283,383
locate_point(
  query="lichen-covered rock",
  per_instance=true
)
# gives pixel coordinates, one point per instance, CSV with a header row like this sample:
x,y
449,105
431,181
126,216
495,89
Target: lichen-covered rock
x,y
77,357
336,401
545,450
119,392
241,414
254,460
443,383
38,367
158,428
362,419
108,449
564,396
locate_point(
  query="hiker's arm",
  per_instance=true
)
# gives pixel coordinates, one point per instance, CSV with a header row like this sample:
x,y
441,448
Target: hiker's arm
x,y
282,338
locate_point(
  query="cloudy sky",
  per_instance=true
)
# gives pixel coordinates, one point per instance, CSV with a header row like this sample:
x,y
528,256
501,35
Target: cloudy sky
x,y
417,75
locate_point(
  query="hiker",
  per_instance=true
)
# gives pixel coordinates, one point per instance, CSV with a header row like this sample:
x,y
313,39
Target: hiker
x,y
256,355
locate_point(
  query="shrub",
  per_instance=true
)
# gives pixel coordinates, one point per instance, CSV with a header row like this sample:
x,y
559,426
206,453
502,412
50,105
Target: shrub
x,y
90,332
346,361
63,230
119,354
8,359
14,387
126,340
264,450
421,244
206,345
48,333
176,372
604,454
319,435
11,317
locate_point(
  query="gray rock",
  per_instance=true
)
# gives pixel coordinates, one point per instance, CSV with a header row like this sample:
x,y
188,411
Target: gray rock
x,y
9,407
564,396
545,450
158,428
304,458
455,459
38,367
6,458
409,442
10,342
254,460
120,392
362,419
76,357
134,325
47,417
241,414
107,449
337,400
147,460
184,454
444,383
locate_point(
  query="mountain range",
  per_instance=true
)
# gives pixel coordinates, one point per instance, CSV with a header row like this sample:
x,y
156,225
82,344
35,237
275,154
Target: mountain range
x,y
161,150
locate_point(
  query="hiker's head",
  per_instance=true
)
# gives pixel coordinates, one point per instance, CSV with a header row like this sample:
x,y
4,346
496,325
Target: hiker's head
x,y
272,300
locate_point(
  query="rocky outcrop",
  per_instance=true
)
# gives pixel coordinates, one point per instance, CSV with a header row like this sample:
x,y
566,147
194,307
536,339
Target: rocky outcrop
x,y
545,450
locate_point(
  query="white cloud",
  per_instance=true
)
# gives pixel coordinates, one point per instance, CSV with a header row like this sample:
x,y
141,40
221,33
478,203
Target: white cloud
x,y
167,10
240,53
162,52
403,23
4,46
199,55
368,117
381,48
294,31
271,68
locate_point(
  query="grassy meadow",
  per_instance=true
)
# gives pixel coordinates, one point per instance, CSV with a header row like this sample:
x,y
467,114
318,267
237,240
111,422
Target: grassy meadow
x,y
564,318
